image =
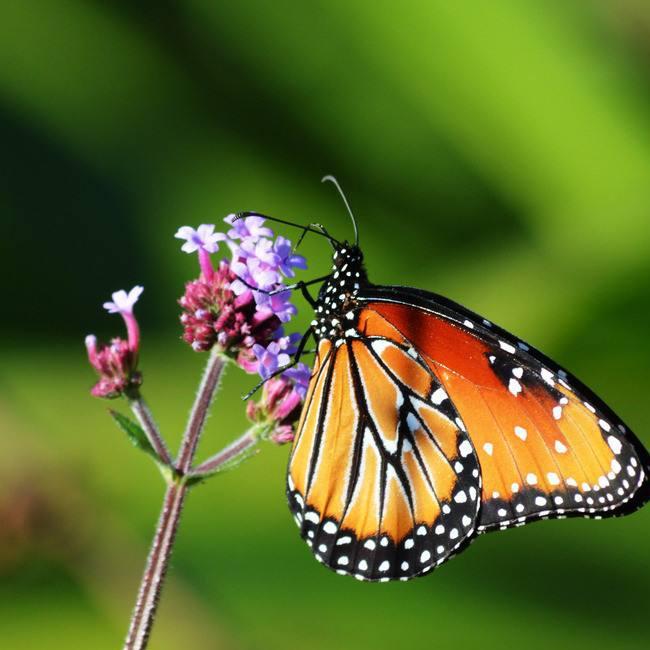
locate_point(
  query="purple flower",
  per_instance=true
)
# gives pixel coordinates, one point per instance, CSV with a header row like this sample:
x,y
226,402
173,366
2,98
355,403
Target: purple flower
x,y
251,228
205,241
287,260
203,238
262,275
236,307
264,252
300,375
278,304
270,358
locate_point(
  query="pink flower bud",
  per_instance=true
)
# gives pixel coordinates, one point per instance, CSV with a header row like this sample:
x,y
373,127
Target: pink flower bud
x,y
116,363
279,407
116,366
282,435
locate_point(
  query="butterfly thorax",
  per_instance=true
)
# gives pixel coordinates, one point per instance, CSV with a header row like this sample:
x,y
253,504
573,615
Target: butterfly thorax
x,y
336,305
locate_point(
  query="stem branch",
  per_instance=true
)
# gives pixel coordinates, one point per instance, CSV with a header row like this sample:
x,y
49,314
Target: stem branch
x,y
234,449
145,418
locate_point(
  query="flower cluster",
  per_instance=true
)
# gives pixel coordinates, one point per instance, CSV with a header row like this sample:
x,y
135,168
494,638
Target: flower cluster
x,y
241,307
116,363
242,303
238,308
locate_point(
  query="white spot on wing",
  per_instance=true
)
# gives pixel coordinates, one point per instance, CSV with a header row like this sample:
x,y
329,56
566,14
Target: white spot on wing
x,y
548,376
439,396
507,347
412,422
560,447
614,444
520,432
312,516
329,527
465,448
379,346
514,387
553,478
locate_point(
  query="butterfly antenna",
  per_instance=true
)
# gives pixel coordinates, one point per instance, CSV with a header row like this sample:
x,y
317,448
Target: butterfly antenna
x,y
333,180
305,229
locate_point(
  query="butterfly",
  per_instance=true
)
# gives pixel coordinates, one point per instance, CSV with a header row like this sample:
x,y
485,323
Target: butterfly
x,y
426,425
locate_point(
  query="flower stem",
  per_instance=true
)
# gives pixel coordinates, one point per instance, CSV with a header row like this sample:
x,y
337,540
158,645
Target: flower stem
x,y
163,542
199,413
232,451
145,418
156,568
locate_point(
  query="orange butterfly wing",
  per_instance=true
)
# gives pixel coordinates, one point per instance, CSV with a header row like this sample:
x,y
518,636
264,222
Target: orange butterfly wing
x,y
383,483
547,447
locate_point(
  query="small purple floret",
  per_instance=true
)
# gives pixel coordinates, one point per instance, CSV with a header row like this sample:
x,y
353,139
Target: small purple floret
x,y
251,228
287,260
203,238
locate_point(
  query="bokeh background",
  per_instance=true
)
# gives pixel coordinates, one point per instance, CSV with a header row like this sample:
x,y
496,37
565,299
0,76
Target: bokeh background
x,y
497,152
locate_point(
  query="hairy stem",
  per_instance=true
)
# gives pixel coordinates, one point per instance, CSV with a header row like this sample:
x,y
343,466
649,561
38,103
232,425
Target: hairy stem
x,y
156,568
145,418
199,411
163,542
234,449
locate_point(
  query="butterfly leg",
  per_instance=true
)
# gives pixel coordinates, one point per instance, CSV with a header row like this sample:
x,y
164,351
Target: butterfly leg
x,y
298,285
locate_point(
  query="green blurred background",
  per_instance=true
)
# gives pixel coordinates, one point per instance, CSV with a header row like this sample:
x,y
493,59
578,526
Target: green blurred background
x,y
495,152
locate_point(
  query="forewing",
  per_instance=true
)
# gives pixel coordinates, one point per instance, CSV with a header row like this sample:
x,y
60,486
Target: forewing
x,y
547,446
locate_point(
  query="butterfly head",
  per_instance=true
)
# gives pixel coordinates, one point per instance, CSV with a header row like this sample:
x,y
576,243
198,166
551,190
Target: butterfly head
x,y
346,255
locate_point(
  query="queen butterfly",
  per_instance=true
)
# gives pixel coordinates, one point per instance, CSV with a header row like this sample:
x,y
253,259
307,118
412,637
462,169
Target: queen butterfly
x,y
425,425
